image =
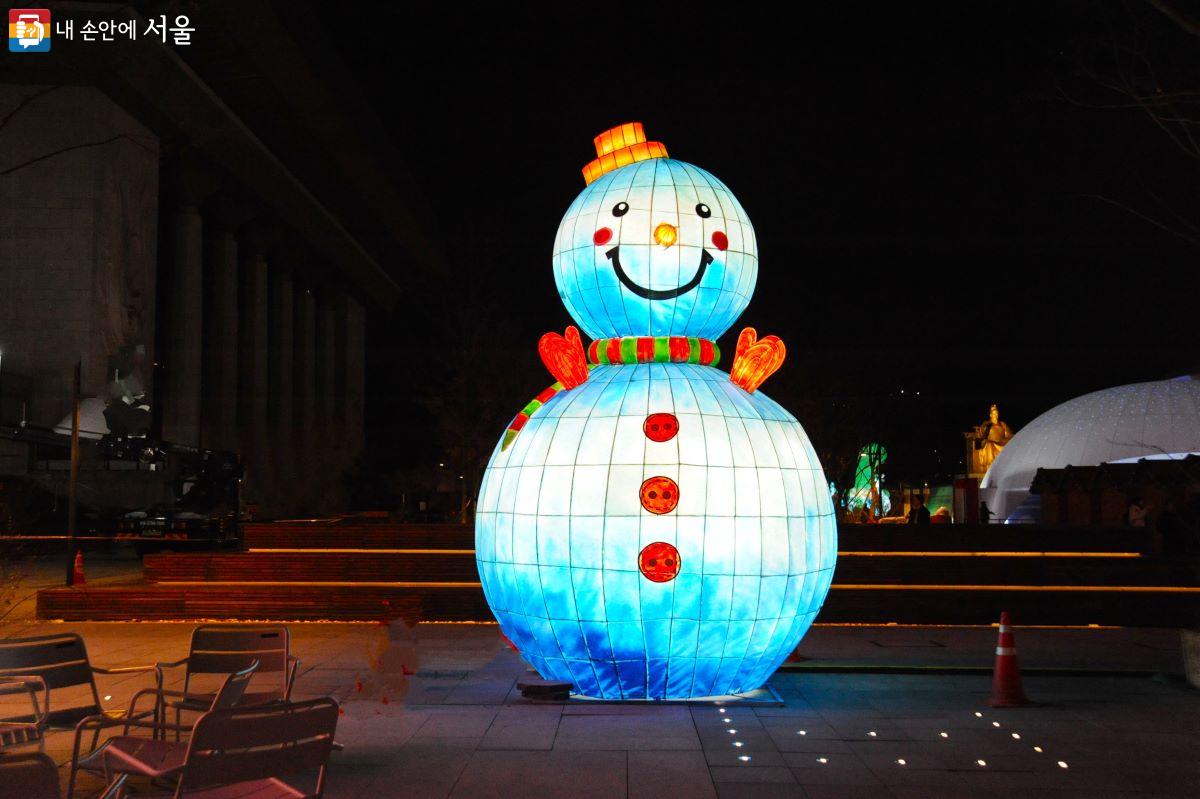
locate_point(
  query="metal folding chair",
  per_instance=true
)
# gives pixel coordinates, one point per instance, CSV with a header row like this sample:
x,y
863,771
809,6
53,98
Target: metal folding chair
x,y
218,650
29,775
140,756
20,731
62,662
249,751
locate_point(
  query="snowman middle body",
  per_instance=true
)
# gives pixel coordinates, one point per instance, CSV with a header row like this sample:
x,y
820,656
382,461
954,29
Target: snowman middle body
x,y
565,525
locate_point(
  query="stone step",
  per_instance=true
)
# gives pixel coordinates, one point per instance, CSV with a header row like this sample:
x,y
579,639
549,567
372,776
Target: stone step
x,y
434,565
315,566
363,602
865,538
862,604
356,535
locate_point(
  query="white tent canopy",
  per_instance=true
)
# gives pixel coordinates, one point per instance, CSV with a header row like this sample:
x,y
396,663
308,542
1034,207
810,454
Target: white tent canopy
x,y
1138,420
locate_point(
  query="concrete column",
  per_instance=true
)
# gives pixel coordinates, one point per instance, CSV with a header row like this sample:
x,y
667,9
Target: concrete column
x,y
253,361
352,351
306,362
221,339
308,445
188,183
281,368
326,366
328,431
181,414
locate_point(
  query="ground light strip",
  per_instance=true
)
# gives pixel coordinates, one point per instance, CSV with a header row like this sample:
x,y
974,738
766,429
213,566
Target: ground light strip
x,y
310,583
1016,737
990,625
1140,589
863,554
352,551
955,554
903,761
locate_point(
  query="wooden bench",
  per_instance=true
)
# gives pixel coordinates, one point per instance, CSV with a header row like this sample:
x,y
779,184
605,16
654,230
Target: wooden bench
x,y
989,538
264,602
846,603
313,567
958,605
346,535
1008,570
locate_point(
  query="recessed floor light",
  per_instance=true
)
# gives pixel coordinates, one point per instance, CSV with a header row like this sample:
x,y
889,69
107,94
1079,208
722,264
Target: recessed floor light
x,y
822,760
902,762
744,758
738,744
873,734
1037,748
981,762
944,734
1062,764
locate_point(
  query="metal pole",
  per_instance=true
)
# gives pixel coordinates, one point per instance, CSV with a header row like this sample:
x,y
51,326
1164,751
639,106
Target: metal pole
x,y
71,508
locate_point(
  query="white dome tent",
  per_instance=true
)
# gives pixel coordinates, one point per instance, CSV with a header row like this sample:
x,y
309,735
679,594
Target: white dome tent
x,y
1156,419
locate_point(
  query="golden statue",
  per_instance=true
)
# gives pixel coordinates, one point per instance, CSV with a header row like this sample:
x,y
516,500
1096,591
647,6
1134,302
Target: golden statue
x,y
985,441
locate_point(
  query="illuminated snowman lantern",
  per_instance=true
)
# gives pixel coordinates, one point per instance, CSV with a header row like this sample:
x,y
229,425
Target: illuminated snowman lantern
x,y
650,527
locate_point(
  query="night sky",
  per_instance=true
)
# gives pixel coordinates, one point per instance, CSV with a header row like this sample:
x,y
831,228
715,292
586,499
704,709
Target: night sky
x,y
925,187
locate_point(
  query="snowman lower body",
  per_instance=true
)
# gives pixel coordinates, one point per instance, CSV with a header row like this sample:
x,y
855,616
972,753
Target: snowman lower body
x,y
630,586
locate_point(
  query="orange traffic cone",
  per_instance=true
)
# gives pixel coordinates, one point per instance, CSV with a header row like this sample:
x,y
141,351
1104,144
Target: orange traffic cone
x,y
77,578
1006,679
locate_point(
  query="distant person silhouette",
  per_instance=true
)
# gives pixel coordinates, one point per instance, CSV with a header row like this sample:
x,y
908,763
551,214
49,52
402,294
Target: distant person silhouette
x,y
918,514
1170,531
1138,513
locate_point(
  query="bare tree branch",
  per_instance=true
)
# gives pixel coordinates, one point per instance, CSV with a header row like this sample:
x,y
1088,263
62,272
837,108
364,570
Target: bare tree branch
x,y
1193,240
1175,15
25,101
83,146
1182,220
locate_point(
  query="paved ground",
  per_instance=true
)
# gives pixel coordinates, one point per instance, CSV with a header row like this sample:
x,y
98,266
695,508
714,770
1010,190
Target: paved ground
x,y
457,727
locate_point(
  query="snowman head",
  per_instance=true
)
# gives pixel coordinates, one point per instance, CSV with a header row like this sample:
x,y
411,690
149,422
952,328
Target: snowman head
x,y
653,246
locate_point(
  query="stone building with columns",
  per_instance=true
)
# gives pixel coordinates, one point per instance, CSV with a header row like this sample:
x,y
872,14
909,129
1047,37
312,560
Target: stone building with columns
x,y
214,212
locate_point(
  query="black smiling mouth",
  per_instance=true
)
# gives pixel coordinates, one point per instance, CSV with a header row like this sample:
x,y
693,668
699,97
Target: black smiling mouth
x,y
614,255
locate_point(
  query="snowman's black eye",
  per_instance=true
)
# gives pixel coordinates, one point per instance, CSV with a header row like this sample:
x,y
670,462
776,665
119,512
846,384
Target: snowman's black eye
x,y
620,209
703,210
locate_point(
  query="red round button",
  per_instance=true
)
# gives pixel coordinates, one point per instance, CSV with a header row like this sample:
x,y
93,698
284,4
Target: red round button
x,y
660,495
659,562
661,426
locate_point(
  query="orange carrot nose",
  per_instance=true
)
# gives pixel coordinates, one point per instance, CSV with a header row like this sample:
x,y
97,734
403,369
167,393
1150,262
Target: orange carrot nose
x,y
665,234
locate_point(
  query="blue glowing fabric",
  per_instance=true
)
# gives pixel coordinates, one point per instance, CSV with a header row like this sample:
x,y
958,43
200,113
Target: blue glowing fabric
x,y
657,191
656,248
560,525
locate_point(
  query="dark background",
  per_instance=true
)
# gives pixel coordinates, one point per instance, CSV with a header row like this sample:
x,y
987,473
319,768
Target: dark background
x,y
936,193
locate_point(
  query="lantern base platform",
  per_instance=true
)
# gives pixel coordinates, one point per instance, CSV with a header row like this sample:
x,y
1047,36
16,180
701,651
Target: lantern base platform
x,y
766,696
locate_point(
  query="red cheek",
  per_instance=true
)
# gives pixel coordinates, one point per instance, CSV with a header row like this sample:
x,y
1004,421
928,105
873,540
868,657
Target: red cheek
x,y
720,241
602,236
